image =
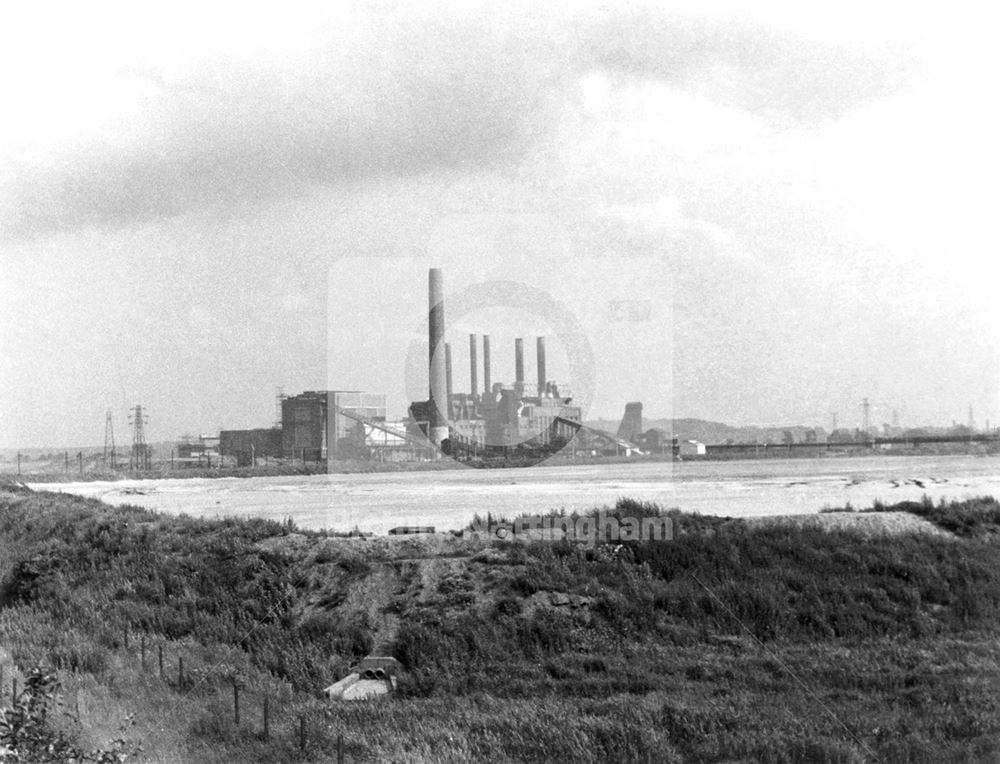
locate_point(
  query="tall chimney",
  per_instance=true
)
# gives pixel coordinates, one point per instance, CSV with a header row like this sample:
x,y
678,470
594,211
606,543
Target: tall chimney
x,y
487,387
437,428
519,362
541,366
473,366
447,374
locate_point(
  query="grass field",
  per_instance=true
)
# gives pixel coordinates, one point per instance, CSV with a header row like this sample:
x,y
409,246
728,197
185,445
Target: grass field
x,y
732,642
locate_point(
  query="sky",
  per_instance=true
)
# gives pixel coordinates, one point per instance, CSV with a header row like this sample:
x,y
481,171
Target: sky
x,y
751,213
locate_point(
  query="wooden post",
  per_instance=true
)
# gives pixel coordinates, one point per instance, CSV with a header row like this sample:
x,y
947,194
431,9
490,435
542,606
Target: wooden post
x,y
340,748
142,652
79,457
125,638
302,732
66,461
13,691
159,650
180,670
236,703
266,709
18,462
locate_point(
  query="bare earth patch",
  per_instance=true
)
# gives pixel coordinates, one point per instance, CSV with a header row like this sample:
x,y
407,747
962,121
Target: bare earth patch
x,y
868,523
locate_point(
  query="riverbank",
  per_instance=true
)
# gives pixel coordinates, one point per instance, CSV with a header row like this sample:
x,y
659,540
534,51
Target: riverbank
x,y
733,641
749,453
447,498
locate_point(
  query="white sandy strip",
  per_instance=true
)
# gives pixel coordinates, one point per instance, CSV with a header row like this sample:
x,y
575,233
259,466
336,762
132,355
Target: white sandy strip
x,y
869,523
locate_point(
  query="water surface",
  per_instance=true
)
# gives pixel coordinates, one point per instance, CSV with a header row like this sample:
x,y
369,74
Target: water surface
x,y
449,499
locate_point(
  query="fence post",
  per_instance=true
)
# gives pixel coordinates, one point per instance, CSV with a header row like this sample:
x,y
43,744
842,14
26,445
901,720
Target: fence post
x,y
142,652
340,748
13,691
159,650
236,703
302,732
180,671
266,730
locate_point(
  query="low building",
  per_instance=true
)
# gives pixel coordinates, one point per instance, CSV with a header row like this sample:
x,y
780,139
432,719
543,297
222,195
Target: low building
x,y
691,448
197,451
248,446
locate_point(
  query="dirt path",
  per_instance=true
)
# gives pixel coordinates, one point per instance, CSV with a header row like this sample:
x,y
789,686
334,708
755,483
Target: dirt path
x,y
379,592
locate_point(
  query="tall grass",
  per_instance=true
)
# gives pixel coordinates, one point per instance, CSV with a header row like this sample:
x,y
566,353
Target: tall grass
x,y
729,642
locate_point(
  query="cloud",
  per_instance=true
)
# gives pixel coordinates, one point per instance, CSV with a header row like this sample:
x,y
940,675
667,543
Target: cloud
x,y
741,64
383,93
662,224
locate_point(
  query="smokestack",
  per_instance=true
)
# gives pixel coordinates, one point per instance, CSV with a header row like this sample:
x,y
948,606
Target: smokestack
x,y
473,366
447,374
437,428
519,362
541,365
487,387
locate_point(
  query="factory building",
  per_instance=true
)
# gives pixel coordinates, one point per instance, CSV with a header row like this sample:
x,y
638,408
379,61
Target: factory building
x,y
320,425
247,446
500,418
303,426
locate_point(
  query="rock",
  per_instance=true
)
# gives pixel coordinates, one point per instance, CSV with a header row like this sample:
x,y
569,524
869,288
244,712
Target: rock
x,y
559,599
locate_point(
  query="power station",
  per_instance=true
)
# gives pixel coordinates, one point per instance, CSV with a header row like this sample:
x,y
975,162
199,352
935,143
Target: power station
x,y
497,424
492,424
499,421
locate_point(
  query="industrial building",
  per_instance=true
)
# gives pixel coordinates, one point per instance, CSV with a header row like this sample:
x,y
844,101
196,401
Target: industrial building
x,y
247,446
328,424
689,448
493,420
319,425
499,419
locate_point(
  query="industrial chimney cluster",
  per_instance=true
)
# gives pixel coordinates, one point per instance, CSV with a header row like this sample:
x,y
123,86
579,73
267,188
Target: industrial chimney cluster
x,y
498,418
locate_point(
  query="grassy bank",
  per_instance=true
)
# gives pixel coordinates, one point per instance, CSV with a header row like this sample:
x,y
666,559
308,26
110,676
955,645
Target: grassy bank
x,y
731,642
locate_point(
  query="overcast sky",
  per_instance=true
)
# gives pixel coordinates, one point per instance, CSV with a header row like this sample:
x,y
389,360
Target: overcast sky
x,y
753,216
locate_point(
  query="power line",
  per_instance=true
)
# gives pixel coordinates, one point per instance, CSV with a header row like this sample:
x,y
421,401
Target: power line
x,y
139,459
110,458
